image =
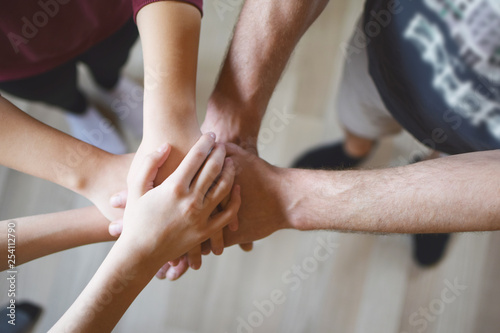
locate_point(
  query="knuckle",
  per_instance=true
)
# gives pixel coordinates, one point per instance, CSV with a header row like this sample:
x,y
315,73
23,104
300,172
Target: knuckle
x,y
178,189
192,207
200,154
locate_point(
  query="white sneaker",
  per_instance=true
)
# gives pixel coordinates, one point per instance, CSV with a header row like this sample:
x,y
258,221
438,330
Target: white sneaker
x,y
126,101
93,128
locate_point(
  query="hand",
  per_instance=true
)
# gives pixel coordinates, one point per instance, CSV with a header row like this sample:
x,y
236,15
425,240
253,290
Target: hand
x,y
263,211
176,215
173,270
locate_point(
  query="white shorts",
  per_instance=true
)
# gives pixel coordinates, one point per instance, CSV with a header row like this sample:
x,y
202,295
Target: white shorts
x,y
360,108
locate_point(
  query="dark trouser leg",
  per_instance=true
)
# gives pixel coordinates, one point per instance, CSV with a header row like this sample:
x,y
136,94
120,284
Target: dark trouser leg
x,y
106,59
57,87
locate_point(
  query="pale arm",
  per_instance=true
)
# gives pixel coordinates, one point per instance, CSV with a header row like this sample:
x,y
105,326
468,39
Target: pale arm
x,y
170,219
32,147
264,38
41,235
115,285
169,35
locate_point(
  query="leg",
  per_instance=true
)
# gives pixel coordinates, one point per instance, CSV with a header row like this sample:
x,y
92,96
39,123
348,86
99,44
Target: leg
x,y
56,87
120,94
356,146
106,59
363,115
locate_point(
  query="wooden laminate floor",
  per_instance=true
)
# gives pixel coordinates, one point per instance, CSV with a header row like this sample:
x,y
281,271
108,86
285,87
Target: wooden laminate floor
x,y
366,283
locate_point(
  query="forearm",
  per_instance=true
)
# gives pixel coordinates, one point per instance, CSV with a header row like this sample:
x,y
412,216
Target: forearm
x,y
34,148
264,38
170,35
41,235
117,282
452,194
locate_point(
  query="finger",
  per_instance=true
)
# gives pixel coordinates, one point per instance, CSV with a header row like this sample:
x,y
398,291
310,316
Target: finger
x,y
194,257
176,272
119,200
232,149
115,228
144,180
247,247
175,262
194,159
210,171
223,186
217,243
205,247
234,224
162,272
220,220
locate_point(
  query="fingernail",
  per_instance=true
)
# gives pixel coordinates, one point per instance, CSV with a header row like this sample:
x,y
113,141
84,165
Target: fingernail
x,y
171,274
218,252
116,201
233,227
212,134
115,229
162,148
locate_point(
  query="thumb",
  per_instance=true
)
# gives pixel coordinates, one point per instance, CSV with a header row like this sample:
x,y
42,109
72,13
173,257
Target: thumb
x,y
143,181
115,228
119,200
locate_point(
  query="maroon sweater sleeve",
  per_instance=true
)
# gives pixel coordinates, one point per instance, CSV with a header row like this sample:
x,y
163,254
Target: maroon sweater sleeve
x,y
138,4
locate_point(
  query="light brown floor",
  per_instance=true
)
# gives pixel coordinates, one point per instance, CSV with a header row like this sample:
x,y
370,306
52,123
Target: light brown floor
x,y
368,283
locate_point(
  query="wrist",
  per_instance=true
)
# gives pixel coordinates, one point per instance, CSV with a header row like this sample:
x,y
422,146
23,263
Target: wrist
x,y
232,121
163,119
290,196
136,255
87,177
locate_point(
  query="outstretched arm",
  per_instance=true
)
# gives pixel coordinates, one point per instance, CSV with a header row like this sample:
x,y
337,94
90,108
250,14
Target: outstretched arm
x,y
37,236
450,194
32,147
264,38
170,219
169,33
170,36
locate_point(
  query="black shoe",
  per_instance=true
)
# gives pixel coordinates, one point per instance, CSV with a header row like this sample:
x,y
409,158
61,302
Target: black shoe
x,y
428,249
24,316
331,157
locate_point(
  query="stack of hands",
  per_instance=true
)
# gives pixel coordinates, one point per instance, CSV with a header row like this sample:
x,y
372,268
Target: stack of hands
x,y
196,209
